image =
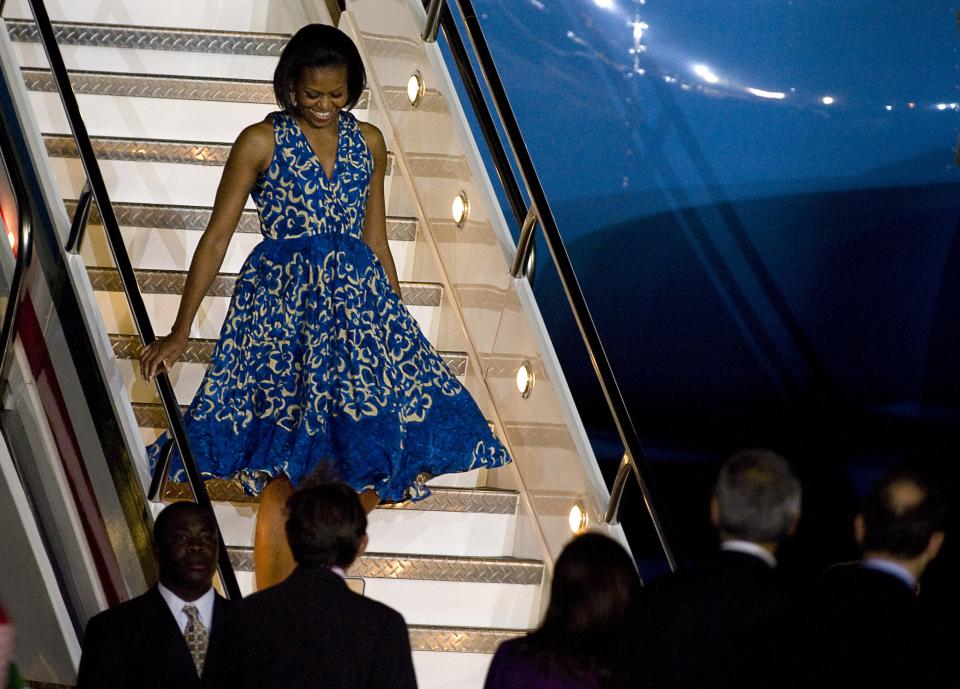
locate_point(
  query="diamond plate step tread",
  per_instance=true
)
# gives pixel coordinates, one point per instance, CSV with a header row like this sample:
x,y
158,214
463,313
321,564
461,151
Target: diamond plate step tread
x,y
460,640
173,282
142,150
171,87
199,351
441,499
153,38
480,570
151,415
211,153
167,86
195,218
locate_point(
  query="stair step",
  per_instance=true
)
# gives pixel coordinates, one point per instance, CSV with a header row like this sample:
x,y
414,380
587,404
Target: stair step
x,y
153,38
165,86
413,532
459,639
501,593
151,150
195,218
280,16
173,282
199,351
484,570
475,500
171,87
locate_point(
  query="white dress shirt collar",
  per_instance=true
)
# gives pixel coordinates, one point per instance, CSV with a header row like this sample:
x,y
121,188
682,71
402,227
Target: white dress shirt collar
x,y
748,548
204,606
893,569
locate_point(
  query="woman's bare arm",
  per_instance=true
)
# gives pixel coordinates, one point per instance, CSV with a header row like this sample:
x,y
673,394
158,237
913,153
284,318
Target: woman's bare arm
x,y
250,155
375,218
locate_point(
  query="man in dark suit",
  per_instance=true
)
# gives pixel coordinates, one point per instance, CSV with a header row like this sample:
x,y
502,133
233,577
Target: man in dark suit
x,y
310,630
724,623
862,626
164,638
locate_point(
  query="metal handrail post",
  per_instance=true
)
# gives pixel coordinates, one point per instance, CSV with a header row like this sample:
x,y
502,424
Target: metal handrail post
x,y
80,215
574,294
432,26
127,277
525,244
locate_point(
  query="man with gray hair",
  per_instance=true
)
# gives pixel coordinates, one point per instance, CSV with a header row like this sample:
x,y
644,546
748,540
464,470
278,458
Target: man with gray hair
x,y
724,624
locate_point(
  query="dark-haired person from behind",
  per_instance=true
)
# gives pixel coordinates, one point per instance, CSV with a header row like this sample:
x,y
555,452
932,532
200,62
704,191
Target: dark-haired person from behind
x,y
724,624
169,636
311,630
862,627
594,583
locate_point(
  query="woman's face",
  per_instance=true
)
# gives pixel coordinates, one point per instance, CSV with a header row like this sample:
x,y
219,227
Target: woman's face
x,y
320,94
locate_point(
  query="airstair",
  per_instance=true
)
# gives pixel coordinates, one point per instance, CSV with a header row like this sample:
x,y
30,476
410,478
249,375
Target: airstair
x,y
164,88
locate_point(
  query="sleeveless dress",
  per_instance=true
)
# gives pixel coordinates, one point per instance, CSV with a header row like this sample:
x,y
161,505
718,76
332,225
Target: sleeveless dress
x,y
318,359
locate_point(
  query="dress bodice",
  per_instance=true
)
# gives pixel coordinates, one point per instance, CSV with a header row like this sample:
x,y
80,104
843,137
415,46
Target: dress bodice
x,y
294,196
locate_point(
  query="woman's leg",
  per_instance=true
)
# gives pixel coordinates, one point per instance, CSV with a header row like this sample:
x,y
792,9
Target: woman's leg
x,y
272,560
369,499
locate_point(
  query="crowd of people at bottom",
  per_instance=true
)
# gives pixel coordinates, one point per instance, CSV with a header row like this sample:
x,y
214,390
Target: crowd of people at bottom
x,y
731,622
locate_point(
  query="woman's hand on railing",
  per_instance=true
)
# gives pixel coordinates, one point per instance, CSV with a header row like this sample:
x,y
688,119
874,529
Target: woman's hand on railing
x,y
163,353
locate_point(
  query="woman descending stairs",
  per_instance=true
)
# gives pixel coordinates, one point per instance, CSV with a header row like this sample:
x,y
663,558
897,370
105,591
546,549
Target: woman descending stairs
x,y
162,105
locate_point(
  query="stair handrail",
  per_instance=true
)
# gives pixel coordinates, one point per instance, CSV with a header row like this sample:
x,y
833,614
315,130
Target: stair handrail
x,y
138,309
539,213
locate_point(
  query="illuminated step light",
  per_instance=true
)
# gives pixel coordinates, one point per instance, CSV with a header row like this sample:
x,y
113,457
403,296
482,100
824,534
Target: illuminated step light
x,y
460,209
415,89
577,519
525,379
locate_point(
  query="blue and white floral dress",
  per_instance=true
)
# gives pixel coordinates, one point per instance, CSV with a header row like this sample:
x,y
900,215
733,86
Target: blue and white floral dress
x,y
318,359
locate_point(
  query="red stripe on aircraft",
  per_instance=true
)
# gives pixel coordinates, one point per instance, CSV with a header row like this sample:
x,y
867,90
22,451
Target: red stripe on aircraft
x,y
71,458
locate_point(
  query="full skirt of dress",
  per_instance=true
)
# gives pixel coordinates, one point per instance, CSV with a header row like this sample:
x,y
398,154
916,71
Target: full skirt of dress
x,y
320,363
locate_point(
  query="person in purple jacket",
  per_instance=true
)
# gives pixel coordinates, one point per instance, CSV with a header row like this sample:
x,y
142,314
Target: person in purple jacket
x,y
595,582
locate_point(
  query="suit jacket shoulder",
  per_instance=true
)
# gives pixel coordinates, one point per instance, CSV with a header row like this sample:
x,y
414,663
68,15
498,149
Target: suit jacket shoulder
x,y
734,609
310,626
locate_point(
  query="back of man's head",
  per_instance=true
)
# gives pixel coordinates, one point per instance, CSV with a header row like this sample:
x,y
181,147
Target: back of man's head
x,y
901,514
757,497
326,525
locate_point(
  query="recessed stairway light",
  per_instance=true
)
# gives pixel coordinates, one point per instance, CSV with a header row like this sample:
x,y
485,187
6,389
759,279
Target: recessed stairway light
x,y
525,379
415,89
577,519
460,208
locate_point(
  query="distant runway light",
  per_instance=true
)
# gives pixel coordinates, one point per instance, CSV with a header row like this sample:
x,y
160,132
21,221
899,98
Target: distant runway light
x,y
705,73
888,108
604,4
760,93
827,100
941,106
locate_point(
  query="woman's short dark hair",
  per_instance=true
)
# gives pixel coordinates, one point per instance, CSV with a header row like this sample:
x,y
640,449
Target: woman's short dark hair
x,y
320,46
325,524
595,584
